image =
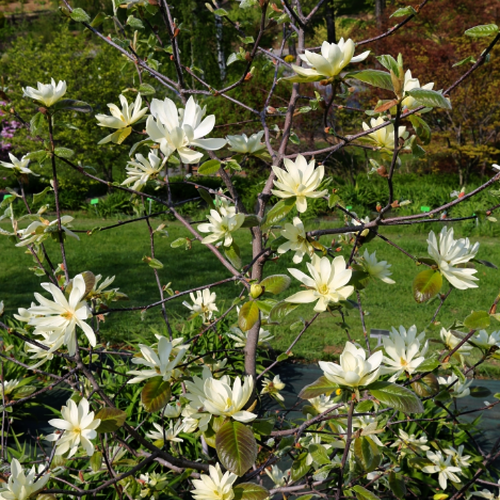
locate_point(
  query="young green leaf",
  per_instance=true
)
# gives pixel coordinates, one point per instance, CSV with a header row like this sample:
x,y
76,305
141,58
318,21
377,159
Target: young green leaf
x,y
155,394
477,320
396,396
250,491
373,77
111,419
282,309
80,15
366,453
233,254
482,30
404,11
317,388
276,284
249,315
430,98
426,285
209,167
277,213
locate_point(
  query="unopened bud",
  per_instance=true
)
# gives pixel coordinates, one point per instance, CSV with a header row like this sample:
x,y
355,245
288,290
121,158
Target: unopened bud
x,y
256,291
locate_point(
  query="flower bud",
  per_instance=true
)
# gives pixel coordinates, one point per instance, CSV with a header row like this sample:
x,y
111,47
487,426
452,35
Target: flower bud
x,y
256,291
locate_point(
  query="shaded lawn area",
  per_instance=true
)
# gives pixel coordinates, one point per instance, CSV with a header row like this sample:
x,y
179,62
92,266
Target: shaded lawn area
x,y
119,252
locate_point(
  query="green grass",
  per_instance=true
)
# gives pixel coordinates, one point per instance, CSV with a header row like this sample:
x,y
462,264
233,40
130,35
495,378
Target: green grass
x,y
120,251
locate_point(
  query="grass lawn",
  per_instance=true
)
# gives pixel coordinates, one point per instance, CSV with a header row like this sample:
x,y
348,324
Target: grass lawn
x,y
119,252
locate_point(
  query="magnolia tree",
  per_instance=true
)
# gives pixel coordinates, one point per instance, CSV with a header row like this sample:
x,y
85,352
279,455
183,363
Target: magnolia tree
x,y
192,415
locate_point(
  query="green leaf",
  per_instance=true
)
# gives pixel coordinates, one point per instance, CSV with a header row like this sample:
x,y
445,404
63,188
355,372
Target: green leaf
x,y
485,263
397,485
80,15
205,196
146,89
249,491
64,152
428,365
404,11
427,386
373,77
421,128
155,263
249,315
303,79
317,388
276,284
266,305
155,394
430,98
38,197
299,467
236,447
366,453
283,357
135,23
36,123
251,221
98,20
179,242
264,426
427,285
277,213
389,63
38,156
363,494
221,12
95,464
482,30
233,254
72,105
282,309
111,419
469,59
319,454
209,167
477,320
396,396
480,392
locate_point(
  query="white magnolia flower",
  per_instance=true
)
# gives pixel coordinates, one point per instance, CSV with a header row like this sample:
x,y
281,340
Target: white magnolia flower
x,y
273,387
140,170
220,399
62,315
297,241
194,413
277,476
354,369
377,269
362,220
52,340
169,433
203,304
495,167
410,83
322,403
216,486
121,119
409,441
333,59
240,337
488,494
450,341
443,467
299,179
404,354
221,226
48,94
161,363
8,386
449,254
38,231
326,284
246,145
78,424
459,459
383,137
456,389
181,129
20,486
18,166
485,341
173,411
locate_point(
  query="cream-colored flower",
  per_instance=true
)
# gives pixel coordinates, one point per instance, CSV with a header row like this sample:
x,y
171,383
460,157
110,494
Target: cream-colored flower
x,y
449,254
166,434
140,170
240,337
221,399
459,459
297,241
300,180
487,494
333,59
404,354
327,283
410,83
354,369
216,486
181,129
410,442
322,403
442,466
173,411
78,424
62,315
456,388
18,166
277,476
203,304
20,486
121,119
377,269
383,138
361,221
485,341
48,94
246,145
221,226
161,363
450,341
40,230
273,387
